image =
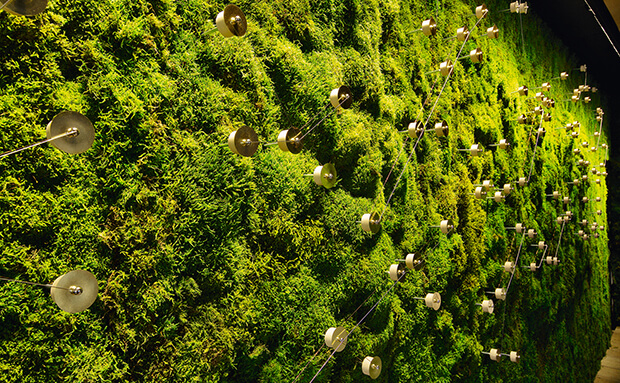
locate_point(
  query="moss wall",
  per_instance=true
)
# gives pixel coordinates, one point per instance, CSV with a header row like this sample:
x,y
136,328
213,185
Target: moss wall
x,y
214,267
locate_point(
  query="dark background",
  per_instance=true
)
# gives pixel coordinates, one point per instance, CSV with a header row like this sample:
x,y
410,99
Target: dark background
x,y
575,24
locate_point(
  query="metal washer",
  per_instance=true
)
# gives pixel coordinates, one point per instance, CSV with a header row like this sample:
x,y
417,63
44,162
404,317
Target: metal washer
x,y
71,144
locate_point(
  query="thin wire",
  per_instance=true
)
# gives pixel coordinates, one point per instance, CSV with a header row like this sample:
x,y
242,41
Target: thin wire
x,y
399,177
535,147
33,283
516,263
311,359
428,119
5,4
558,246
70,132
600,129
327,115
347,318
407,138
316,114
323,345
600,25
542,257
356,326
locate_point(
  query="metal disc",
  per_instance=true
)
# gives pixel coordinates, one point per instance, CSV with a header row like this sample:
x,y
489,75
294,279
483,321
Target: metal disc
x,y
69,301
371,366
446,226
412,261
429,27
415,129
476,55
329,176
519,228
243,141
515,357
549,260
231,22
495,355
481,11
500,293
290,140
26,7
487,185
396,270
475,150
341,95
441,129
493,32
336,338
433,300
71,144
487,306
445,67
371,223
498,196
462,33
507,189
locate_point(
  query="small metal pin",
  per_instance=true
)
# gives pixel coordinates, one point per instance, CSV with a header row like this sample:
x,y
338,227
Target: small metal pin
x,y
429,28
475,56
503,144
474,150
522,90
444,68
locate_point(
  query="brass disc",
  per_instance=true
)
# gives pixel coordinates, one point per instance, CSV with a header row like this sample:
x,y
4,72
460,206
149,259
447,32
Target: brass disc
x,y
481,11
446,226
429,27
25,7
493,32
341,97
396,272
487,306
462,33
371,366
500,293
495,354
71,144
243,141
329,176
336,338
415,129
67,300
371,223
231,22
412,261
476,55
290,140
442,129
433,300
515,357
445,67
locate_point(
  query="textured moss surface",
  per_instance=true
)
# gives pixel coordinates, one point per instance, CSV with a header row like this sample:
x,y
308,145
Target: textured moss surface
x,y
214,267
